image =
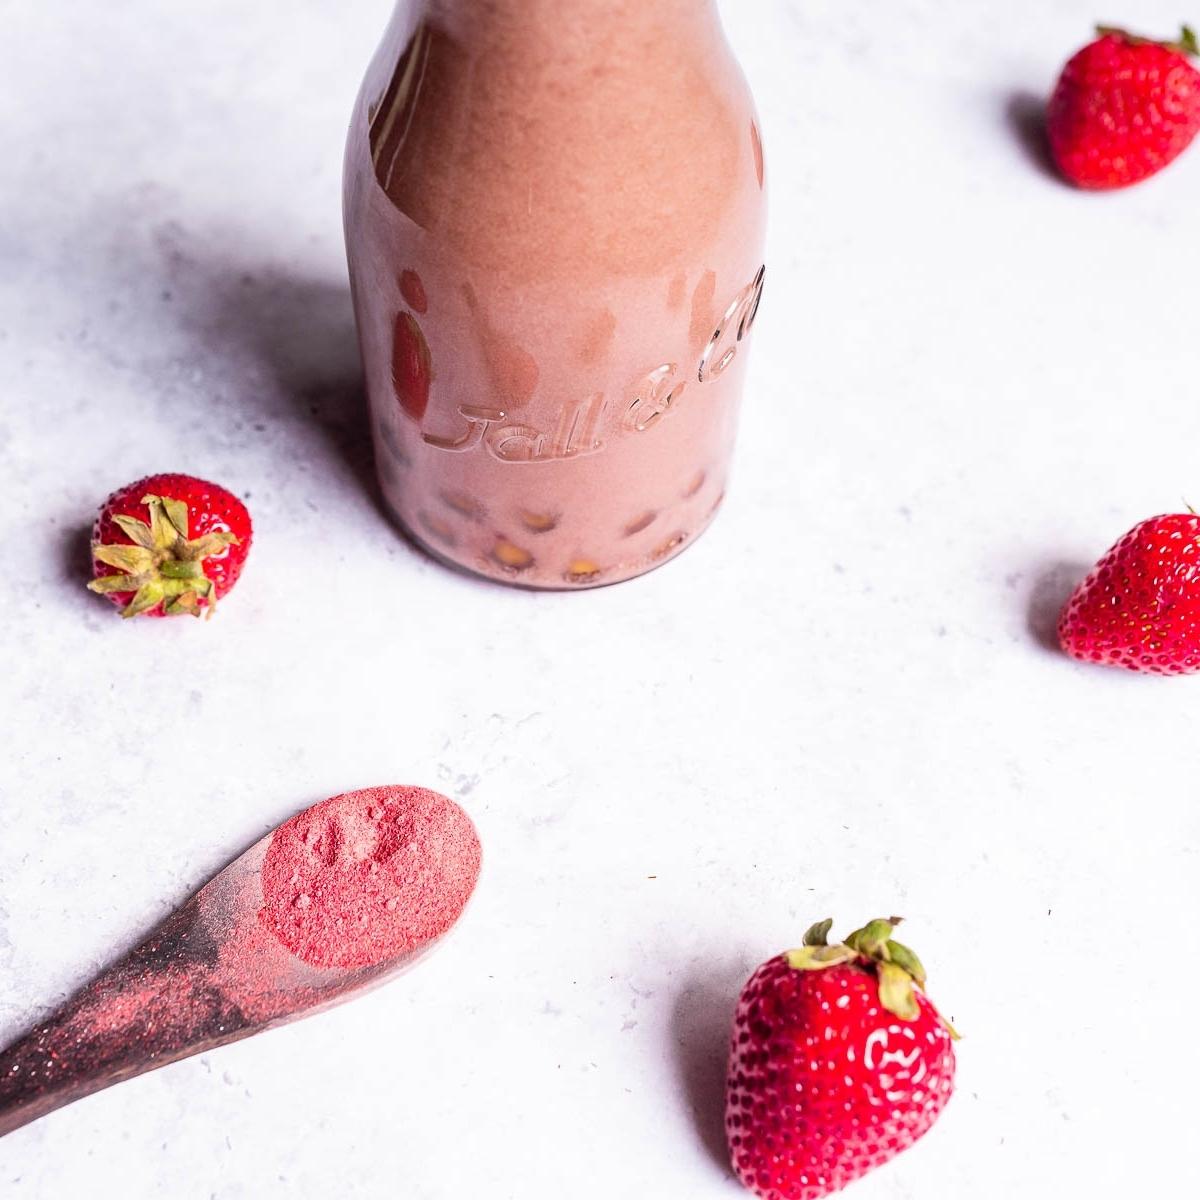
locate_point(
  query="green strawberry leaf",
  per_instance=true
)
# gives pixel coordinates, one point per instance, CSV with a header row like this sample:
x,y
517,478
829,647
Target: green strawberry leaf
x,y
817,958
904,958
818,934
897,993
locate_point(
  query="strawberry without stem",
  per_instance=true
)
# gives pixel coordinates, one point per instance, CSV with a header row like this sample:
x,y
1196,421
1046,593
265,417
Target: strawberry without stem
x,y
169,544
1124,108
838,1063
1139,607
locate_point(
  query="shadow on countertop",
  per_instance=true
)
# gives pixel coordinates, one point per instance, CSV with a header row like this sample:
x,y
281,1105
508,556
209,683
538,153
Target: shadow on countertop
x,y
230,342
296,332
231,338
1025,116
1052,588
700,1025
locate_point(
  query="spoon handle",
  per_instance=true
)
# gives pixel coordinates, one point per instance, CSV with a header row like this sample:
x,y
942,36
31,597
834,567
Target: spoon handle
x,y
156,1006
62,1060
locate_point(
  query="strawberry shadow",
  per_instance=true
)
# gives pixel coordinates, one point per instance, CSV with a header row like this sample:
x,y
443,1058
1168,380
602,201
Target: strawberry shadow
x,y
74,558
1052,588
76,553
1025,115
699,1027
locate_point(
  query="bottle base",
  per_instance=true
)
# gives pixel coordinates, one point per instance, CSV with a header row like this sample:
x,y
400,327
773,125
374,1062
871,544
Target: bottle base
x,y
493,571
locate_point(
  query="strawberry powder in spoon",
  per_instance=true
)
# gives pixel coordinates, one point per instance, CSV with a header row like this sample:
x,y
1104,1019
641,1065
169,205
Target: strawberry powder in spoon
x,y
368,875
341,898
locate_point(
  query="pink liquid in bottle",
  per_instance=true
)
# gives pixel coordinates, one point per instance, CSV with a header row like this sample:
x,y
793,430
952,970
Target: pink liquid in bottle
x,y
554,218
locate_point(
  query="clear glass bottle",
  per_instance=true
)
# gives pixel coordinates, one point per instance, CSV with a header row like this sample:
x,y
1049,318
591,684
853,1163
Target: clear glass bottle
x,y
554,218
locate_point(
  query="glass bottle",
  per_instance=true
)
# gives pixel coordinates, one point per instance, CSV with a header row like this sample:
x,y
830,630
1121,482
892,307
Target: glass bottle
x,y
554,218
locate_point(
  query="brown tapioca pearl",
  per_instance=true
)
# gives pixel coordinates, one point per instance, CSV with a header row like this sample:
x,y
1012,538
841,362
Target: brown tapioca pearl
x,y
511,556
582,570
437,528
696,484
671,544
464,505
639,523
538,522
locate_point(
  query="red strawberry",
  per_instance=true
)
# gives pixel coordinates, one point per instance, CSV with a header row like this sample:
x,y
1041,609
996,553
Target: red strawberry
x,y
1124,107
838,1063
1139,607
412,370
169,544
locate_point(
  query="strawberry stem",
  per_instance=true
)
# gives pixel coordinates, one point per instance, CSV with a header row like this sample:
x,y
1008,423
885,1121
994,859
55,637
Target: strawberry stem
x,y
1187,43
818,934
163,565
872,948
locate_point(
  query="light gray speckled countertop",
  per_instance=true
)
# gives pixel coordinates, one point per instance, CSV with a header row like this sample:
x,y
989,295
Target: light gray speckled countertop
x,y
968,380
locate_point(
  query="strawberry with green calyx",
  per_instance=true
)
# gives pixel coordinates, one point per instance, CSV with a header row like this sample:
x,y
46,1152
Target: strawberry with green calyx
x,y
839,1061
1124,107
169,545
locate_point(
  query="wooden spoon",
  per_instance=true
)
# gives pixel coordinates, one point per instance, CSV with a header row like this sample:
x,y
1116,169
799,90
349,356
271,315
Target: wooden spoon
x,y
225,965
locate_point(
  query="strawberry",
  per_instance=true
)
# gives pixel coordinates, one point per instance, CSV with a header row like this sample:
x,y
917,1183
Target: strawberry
x,y
838,1063
1124,107
1139,607
169,544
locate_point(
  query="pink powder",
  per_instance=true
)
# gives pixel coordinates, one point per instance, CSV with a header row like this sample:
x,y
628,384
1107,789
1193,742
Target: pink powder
x,y
368,875
353,883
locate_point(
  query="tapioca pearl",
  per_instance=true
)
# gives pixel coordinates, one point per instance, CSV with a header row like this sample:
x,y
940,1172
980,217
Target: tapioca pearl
x,y
538,522
670,545
695,485
582,570
511,556
639,523
463,504
437,528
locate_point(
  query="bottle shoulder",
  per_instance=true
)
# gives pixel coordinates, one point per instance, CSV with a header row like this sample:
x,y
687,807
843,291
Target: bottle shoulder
x,y
639,158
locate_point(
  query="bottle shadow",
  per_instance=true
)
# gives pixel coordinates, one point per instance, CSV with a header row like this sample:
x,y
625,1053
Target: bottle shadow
x,y
236,341
700,1025
296,335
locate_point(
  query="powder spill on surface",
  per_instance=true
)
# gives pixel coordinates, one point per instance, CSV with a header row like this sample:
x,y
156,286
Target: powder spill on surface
x,y
368,875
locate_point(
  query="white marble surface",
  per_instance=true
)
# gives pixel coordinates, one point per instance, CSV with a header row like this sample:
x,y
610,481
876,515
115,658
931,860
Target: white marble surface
x,y
968,380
